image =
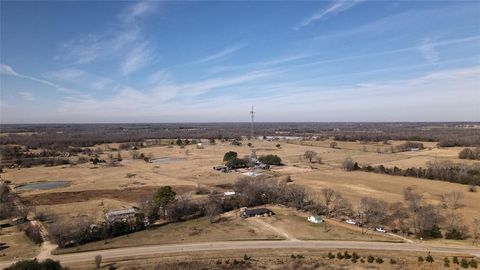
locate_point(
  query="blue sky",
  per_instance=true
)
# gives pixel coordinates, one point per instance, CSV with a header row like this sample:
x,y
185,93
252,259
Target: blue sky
x,y
78,62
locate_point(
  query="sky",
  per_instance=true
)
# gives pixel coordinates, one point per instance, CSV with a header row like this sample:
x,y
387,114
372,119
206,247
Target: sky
x,y
194,61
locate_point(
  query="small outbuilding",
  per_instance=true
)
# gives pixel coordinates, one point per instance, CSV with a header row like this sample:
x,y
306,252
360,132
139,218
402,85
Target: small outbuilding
x,y
256,212
315,219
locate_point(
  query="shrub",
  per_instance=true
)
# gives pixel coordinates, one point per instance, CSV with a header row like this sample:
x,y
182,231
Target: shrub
x,y
330,255
392,261
246,257
362,260
464,263
429,258
446,260
35,265
347,256
455,260
379,260
236,163
348,164
370,259
473,263
454,234
230,155
420,259
355,256
271,160
339,256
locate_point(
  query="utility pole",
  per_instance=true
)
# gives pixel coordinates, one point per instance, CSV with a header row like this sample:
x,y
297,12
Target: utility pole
x,y
252,134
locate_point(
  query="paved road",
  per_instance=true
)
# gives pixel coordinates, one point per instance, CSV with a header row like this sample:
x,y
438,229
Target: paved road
x,y
245,245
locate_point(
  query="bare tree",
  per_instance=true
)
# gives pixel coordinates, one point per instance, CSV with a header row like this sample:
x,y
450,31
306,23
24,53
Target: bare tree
x,y
476,231
373,211
348,164
399,217
452,200
98,260
310,155
213,209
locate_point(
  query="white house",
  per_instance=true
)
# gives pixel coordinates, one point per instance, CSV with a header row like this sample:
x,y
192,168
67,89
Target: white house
x,y
228,193
315,219
120,214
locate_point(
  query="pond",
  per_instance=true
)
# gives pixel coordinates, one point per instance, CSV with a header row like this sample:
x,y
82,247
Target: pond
x,y
164,160
43,185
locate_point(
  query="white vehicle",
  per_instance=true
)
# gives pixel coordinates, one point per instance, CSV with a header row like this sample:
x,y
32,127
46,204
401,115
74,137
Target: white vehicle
x,y
380,229
350,221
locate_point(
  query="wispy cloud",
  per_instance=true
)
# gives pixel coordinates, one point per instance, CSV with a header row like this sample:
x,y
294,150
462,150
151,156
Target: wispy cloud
x,y
223,53
123,38
8,70
82,77
28,96
335,8
427,48
138,57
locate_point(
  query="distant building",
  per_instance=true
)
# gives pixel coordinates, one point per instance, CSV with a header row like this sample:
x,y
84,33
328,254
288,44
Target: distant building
x,y
414,149
256,212
315,219
121,215
229,193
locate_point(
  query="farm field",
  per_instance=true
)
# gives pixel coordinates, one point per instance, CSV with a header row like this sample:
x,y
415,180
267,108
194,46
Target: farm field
x,y
95,189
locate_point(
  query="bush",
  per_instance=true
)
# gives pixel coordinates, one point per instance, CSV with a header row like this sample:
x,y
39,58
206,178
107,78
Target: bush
x,y
330,255
246,257
464,263
429,258
420,259
454,234
355,256
339,256
455,260
473,263
230,155
236,163
47,264
271,160
392,261
370,259
347,256
379,260
33,233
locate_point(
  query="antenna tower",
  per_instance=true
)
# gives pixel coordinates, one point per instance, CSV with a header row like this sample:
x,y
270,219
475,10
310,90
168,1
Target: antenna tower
x,y
252,134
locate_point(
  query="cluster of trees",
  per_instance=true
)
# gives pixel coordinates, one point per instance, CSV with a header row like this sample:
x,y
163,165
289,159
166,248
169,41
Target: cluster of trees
x,y
232,161
22,157
443,170
34,264
467,153
407,146
80,231
271,160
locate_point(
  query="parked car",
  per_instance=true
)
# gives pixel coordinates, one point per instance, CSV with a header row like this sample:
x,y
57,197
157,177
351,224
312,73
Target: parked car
x,y
380,229
351,221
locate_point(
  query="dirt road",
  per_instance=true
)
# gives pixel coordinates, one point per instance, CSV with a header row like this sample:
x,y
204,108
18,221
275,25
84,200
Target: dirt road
x,y
244,245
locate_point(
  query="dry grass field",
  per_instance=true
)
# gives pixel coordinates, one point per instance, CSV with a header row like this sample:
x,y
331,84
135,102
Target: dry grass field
x,y
19,245
97,188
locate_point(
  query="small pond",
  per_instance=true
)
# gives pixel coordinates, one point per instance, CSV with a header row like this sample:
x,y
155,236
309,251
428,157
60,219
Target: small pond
x,y
43,185
164,160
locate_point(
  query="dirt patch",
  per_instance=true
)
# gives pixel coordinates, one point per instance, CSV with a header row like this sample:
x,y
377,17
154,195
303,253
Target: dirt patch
x,y
127,194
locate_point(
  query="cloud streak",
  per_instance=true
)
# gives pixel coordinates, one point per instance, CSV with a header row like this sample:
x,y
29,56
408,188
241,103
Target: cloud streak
x,y
123,42
223,53
335,8
8,70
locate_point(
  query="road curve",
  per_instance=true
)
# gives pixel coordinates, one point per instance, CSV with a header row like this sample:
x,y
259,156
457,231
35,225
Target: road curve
x,y
245,245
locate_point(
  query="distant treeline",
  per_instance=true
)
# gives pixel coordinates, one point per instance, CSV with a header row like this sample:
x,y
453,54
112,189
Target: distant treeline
x,y
435,170
468,153
60,136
